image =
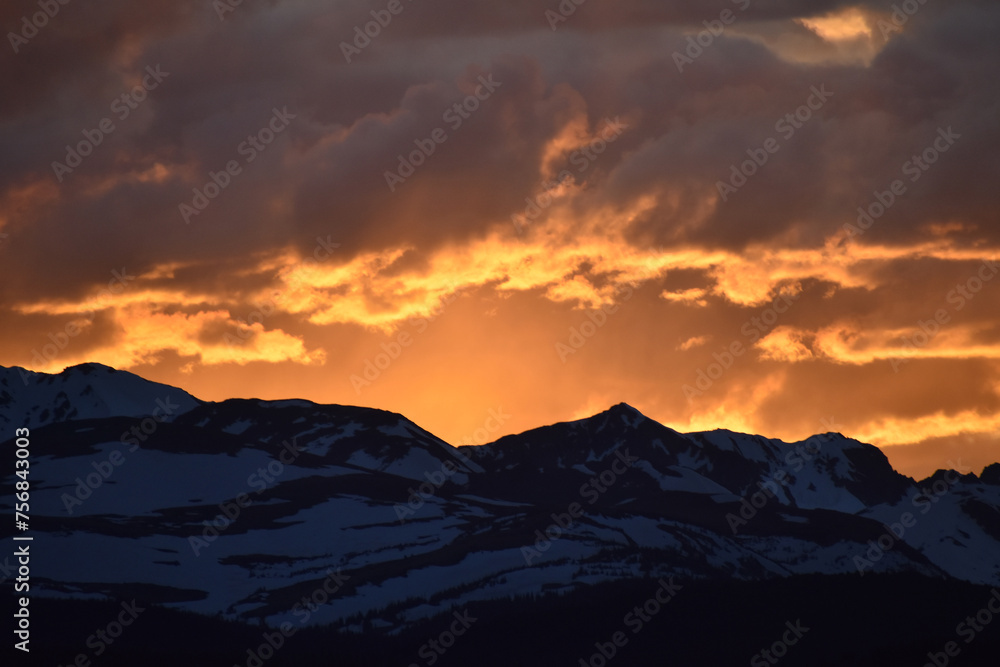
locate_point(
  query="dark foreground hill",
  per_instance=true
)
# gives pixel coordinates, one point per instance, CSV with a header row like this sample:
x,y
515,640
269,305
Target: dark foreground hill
x,y
369,538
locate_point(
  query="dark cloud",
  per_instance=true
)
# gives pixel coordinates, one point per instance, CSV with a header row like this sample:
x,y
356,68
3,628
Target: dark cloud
x,y
322,179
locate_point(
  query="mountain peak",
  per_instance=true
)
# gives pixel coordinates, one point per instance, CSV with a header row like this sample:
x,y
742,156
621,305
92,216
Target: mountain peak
x,y
991,474
624,407
89,368
84,391
625,412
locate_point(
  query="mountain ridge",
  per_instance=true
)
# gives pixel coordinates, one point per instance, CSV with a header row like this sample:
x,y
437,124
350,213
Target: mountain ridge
x,y
621,410
238,507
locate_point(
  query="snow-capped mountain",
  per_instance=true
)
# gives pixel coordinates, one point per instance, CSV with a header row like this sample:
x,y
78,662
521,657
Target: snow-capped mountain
x,y
87,391
240,508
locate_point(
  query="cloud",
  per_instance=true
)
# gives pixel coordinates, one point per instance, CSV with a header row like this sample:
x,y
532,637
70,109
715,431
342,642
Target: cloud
x,y
693,296
694,341
871,214
784,344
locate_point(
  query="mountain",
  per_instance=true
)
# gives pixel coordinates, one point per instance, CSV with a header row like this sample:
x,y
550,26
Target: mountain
x,y
255,511
87,391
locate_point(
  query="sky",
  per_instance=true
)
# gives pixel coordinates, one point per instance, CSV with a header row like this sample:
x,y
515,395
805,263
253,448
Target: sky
x,y
775,217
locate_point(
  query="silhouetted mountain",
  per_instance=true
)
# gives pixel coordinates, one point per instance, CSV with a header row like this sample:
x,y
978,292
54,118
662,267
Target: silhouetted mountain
x,y
242,509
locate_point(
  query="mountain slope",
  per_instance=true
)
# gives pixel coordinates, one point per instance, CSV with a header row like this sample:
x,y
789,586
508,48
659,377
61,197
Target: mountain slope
x,y
86,391
244,507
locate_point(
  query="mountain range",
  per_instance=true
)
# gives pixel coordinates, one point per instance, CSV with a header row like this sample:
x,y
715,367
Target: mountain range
x,y
356,520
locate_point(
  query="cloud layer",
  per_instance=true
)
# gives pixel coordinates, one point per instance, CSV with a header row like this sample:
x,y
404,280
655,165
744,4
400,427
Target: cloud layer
x,y
753,216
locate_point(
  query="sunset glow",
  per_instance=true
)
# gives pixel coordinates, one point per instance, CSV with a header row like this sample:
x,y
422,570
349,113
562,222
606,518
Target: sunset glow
x,y
564,248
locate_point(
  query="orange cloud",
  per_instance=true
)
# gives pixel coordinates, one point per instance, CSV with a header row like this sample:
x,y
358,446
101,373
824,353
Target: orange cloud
x,y
694,341
784,344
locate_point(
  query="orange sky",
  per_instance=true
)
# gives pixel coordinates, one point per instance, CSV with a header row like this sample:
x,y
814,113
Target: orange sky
x,y
581,233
